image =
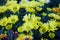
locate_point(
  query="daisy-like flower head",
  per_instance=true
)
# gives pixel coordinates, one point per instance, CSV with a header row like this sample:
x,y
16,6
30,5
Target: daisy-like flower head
x,y
3,9
52,25
13,19
44,28
51,35
8,26
25,27
4,21
28,26
13,6
26,18
21,29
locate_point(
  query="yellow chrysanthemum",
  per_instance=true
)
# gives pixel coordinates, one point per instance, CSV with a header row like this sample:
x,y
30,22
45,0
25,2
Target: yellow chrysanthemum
x,y
4,21
3,9
32,21
52,25
28,26
13,19
44,28
8,26
26,18
51,35
21,29
13,6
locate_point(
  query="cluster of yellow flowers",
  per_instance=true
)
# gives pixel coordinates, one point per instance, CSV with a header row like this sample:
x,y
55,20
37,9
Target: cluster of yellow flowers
x,y
49,26
32,21
14,6
29,6
7,22
10,5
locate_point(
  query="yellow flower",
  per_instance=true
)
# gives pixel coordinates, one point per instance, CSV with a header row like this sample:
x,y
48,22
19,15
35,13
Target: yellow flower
x,y
32,21
52,25
21,29
44,28
35,21
3,9
26,18
51,35
40,23
13,19
13,6
28,26
8,26
4,21
11,3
